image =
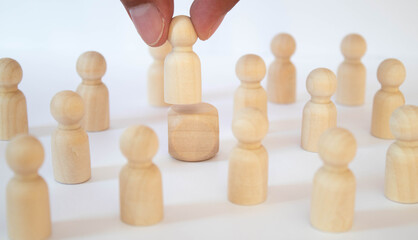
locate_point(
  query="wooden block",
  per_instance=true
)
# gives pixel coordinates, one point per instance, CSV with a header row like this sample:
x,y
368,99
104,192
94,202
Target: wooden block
x,y
250,70
13,113
156,75
281,77
391,74
69,142
27,197
319,113
334,186
351,75
182,76
401,177
248,161
140,184
91,66
193,132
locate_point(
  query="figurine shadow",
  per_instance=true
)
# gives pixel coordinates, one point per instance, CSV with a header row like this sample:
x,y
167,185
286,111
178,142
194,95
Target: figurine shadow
x,y
288,192
104,173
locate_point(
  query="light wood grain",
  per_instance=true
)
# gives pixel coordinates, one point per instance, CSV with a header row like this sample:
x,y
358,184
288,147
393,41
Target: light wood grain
x,y
319,113
281,78
351,75
140,183
27,197
391,74
401,176
13,112
156,75
91,66
334,185
69,142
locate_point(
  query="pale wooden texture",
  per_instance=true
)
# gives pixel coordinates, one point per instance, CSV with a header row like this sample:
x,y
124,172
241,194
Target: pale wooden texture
x,y
182,76
391,74
334,185
351,75
27,197
248,161
401,177
319,113
140,183
250,70
156,75
91,66
281,77
193,132
69,142
13,113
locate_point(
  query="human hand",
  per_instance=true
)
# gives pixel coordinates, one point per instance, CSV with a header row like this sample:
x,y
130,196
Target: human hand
x,y
152,17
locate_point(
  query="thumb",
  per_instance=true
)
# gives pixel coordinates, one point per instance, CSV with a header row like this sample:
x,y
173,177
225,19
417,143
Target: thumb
x,y
151,19
207,15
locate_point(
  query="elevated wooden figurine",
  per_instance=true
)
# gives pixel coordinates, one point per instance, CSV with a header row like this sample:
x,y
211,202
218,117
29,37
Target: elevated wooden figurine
x,y
91,66
334,185
27,197
250,70
182,76
193,126
156,75
248,161
351,75
13,113
140,184
281,77
401,177
69,142
319,113
391,74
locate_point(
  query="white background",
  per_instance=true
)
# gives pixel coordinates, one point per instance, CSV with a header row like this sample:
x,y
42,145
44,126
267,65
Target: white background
x,y
47,37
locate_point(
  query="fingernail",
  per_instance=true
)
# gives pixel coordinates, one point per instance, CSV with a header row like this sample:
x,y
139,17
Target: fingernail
x,y
215,26
148,22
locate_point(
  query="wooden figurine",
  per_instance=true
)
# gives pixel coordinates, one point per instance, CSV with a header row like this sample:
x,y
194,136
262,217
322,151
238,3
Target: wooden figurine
x,y
248,161
91,66
13,113
351,75
281,77
69,142
334,185
250,70
401,177
140,184
391,74
319,113
156,75
193,132
27,197
182,77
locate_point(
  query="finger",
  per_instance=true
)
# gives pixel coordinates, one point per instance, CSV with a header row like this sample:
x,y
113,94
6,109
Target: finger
x,y
151,19
207,15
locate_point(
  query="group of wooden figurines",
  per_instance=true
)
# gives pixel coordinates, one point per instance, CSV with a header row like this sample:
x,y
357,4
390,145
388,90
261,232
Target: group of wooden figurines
x,y
193,132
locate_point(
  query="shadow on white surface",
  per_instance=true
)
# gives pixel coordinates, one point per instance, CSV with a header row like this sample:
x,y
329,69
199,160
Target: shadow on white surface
x,y
193,211
284,125
104,173
159,115
288,192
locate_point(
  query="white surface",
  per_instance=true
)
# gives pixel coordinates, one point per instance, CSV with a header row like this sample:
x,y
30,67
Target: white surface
x,y
46,37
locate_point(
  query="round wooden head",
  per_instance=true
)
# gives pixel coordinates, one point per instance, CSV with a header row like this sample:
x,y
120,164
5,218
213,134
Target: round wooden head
x,y
181,32
250,125
337,147
139,144
321,82
404,123
283,45
353,46
91,65
160,52
24,154
250,68
391,73
67,107
10,73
